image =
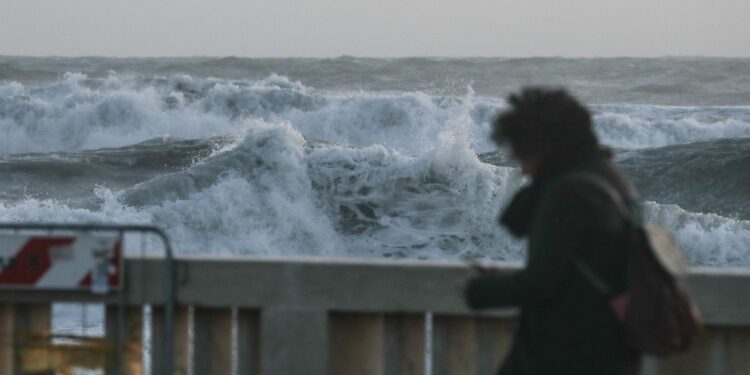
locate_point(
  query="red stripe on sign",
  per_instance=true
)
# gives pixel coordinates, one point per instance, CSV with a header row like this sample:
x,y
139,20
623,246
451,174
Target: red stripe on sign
x,y
86,281
114,278
33,261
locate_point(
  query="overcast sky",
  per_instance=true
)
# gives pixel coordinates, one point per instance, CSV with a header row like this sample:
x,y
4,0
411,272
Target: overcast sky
x,y
321,28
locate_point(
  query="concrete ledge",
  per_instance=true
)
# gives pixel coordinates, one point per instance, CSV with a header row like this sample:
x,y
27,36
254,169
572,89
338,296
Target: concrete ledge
x,y
361,285
339,316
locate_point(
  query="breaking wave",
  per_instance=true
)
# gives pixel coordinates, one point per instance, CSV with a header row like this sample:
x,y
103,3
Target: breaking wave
x,y
79,113
273,166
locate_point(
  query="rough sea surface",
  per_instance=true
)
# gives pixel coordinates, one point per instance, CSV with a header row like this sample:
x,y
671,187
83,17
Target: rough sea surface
x,y
357,157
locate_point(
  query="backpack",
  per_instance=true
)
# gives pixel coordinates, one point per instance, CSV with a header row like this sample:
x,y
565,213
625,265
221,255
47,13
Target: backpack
x,y
656,311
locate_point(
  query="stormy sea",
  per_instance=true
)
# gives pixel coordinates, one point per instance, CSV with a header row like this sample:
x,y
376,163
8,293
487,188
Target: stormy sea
x,y
358,157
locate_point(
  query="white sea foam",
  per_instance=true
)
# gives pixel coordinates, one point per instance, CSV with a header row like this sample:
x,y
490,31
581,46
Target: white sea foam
x,y
70,115
420,208
78,112
440,204
644,126
268,195
81,113
708,239
388,173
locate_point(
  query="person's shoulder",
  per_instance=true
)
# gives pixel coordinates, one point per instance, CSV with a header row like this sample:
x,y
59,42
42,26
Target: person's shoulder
x,y
584,180
590,197
583,190
579,183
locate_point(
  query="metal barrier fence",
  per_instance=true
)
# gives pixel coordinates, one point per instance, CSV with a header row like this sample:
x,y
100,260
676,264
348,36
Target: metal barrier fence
x,y
348,317
41,264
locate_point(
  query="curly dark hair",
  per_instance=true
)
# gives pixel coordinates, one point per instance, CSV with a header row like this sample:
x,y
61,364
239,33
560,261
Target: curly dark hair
x,y
543,121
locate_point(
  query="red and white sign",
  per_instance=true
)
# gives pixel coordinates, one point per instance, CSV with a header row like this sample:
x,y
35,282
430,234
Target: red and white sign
x,y
60,262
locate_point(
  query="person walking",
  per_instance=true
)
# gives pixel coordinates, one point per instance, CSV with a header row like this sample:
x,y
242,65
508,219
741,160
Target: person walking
x,y
566,325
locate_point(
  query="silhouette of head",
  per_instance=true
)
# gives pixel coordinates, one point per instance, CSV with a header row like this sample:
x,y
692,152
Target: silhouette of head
x,y
543,121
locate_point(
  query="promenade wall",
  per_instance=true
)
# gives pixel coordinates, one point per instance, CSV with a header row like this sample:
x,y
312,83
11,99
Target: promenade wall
x,y
346,317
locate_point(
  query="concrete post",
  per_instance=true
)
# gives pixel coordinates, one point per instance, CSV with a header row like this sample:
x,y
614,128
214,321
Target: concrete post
x,y
357,344
649,366
180,341
737,350
212,341
494,338
248,342
701,359
129,347
31,322
7,354
405,344
295,342
454,348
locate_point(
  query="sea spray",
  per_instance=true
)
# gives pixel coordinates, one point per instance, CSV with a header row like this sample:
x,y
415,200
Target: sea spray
x,y
79,113
282,164
644,126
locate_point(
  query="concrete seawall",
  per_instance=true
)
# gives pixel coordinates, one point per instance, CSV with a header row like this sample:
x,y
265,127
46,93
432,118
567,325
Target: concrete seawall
x,y
355,316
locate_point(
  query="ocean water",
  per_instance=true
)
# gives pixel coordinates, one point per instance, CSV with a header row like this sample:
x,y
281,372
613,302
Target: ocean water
x,y
357,157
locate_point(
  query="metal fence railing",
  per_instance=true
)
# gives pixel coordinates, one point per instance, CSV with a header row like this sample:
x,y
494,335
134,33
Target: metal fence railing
x,y
72,262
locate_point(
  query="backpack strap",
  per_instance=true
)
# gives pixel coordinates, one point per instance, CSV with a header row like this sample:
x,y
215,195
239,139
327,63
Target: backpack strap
x,y
593,278
607,188
625,211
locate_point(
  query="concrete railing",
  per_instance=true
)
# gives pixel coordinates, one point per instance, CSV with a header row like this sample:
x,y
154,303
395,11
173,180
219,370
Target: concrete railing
x,y
324,316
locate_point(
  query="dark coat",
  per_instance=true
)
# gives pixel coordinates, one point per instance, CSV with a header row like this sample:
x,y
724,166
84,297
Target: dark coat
x,y
566,326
